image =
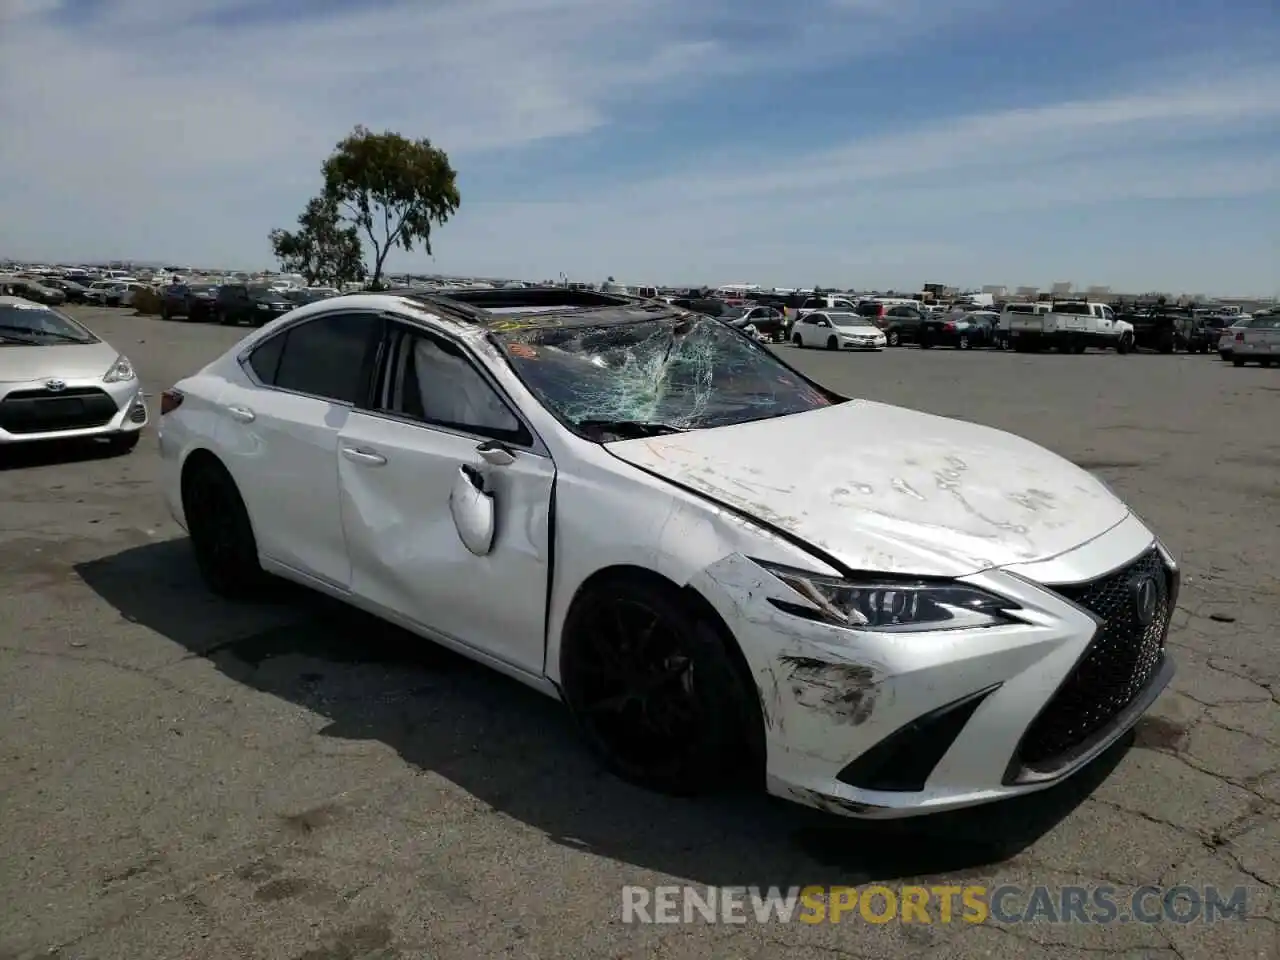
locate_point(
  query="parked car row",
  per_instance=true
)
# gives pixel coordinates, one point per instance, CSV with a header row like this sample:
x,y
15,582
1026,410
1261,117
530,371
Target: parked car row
x,y
1067,326
234,304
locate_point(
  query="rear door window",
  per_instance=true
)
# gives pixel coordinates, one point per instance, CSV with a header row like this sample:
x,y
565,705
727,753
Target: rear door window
x,y
329,357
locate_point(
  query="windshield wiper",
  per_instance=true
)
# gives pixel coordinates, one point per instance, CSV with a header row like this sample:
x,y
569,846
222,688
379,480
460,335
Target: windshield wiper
x,y
635,428
14,328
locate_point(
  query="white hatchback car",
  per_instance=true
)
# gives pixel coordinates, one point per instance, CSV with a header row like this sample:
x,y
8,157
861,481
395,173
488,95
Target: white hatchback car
x,y
837,330
59,381
717,563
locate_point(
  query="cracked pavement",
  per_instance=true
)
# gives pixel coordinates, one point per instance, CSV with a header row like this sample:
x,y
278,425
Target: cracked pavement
x,y
184,778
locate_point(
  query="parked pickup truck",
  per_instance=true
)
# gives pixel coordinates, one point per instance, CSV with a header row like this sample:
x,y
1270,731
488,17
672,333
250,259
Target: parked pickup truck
x,y
1070,326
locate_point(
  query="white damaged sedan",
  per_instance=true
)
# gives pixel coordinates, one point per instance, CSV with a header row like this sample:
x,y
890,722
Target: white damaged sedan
x,y
719,565
59,381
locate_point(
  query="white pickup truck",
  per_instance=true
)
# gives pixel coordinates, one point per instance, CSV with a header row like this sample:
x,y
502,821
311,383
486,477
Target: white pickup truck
x,y
1070,326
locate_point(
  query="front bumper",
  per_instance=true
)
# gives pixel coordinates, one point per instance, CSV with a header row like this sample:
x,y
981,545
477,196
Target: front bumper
x,y
84,408
863,344
893,725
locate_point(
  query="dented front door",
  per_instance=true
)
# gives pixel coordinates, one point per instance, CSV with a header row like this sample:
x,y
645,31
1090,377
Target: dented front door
x,y
408,553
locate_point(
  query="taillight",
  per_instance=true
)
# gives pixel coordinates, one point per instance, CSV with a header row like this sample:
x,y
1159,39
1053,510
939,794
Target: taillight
x,y
949,327
1239,338
170,400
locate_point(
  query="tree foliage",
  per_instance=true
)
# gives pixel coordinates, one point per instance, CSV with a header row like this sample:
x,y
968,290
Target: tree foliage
x,y
392,189
322,249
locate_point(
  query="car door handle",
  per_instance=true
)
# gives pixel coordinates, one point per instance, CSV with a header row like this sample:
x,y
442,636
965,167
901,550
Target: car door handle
x,y
360,455
242,414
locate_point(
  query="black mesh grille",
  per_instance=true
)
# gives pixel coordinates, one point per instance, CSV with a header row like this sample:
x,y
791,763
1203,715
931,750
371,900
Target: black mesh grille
x,y
1121,659
48,411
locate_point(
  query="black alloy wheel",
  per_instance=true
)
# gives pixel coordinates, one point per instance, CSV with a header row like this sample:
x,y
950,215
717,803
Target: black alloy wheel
x,y
221,533
654,690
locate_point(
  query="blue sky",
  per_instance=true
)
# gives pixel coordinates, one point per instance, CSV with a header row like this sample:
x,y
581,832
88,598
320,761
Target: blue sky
x,y
872,143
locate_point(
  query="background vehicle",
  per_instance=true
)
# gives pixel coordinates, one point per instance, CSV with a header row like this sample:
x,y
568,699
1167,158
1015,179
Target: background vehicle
x,y
837,330
193,301
901,322
255,304
305,295
1205,331
768,321
131,290
59,381
1258,341
810,302
1227,338
97,291
969,331
74,292
1070,326
1163,328
35,290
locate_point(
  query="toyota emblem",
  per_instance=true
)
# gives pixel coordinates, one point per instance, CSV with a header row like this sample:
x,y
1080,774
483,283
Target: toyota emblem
x,y
55,386
1146,598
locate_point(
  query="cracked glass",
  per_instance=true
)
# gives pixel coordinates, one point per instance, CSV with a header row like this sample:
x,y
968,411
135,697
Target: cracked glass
x,y
658,375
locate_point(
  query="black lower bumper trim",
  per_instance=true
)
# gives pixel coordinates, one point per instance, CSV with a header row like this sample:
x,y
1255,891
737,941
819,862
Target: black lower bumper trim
x,y
903,761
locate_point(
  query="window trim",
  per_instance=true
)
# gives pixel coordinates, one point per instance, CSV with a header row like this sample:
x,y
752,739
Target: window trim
x,y
368,363
529,441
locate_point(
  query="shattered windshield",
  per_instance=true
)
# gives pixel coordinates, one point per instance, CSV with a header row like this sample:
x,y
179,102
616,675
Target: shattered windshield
x,y
653,376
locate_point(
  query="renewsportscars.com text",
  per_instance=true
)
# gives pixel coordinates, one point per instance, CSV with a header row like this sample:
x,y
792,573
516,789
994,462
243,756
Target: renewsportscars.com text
x,y
934,904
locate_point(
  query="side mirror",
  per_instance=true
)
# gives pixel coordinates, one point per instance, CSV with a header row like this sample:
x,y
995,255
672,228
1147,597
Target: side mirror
x,y
473,512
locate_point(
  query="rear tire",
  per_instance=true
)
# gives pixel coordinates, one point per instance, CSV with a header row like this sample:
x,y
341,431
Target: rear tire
x,y
893,339
1237,362
964,343
221,533
797,341
654,689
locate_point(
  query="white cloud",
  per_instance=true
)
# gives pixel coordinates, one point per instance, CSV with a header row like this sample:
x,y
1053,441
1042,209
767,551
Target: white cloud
x,y
155,131
886,205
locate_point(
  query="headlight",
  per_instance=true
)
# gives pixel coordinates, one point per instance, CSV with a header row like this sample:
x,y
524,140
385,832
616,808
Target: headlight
x,y
263,306
895,607
119,371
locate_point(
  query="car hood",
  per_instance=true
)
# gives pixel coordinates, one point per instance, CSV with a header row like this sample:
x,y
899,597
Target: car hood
x,y
888,489
67,361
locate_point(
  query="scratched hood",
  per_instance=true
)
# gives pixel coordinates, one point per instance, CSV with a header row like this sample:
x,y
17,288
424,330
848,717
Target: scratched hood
x,y
20,363
888,489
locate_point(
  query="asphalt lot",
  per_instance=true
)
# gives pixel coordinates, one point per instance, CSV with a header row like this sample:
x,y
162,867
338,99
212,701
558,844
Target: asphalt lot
x,y
181,778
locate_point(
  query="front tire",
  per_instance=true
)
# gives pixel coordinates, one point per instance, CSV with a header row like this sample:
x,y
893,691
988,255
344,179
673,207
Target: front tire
x,y
1126,343
221,533
654,689
796,341
832,344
